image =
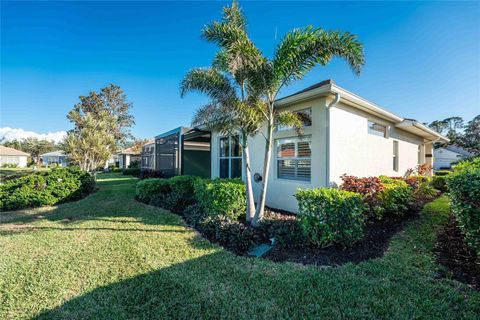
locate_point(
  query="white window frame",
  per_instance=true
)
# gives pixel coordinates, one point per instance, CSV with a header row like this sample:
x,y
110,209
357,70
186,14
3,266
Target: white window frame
x,y
280,128
229,157
296,158
396,155
374,132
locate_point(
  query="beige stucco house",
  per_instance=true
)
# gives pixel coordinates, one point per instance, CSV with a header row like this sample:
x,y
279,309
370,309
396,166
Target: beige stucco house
x,y
344,134
10,156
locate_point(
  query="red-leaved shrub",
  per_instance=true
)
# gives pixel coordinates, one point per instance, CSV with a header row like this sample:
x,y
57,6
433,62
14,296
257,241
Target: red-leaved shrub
x,y
369,188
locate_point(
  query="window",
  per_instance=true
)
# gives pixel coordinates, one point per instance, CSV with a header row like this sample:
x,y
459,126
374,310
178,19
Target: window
x,y
294,158
377,129
395,155
306,117
230,157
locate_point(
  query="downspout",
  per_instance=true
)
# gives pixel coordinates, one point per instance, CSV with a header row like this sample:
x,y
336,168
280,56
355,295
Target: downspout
x,y
328,136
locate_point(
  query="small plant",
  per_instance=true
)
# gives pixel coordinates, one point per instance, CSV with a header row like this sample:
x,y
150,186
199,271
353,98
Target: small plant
x,y
369,188
395,199
330,216
439,182
285,229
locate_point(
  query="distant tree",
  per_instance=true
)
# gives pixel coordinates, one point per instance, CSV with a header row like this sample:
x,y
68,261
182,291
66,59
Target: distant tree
x,y
471,136
15,144
439,125
37,147
454,125
92,141
113,101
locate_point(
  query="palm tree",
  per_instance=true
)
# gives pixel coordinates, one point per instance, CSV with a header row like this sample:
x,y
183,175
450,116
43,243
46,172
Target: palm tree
x,y
296,55
232,109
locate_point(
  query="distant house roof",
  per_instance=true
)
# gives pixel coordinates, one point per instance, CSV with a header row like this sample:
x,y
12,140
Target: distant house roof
x,y
151,141
458,150
6,151
58,153
131,150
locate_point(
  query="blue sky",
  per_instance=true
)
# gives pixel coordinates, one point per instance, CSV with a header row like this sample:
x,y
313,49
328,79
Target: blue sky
x,y
422,58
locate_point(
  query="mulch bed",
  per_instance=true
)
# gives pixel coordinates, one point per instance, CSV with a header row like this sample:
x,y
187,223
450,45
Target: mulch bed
x,y
453,253
373,245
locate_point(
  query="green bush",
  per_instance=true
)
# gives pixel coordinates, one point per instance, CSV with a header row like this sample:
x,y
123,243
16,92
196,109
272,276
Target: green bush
x,y
132,172
45,188
331,216
395,199
234,235
9,165
439,182
194,215
221,197
285,229
173,194
464,189
441,173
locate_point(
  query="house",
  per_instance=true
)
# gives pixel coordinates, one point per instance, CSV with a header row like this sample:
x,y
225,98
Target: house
x,y
183,151
58,157
444,156
343,134
148,155
127,156
13,157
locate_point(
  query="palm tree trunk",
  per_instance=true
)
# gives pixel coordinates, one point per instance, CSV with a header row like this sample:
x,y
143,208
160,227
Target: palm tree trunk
x,y
266,169
248,178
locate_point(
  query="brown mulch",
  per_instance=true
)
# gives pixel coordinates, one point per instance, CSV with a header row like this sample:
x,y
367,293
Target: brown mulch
x,y
373,245
460,260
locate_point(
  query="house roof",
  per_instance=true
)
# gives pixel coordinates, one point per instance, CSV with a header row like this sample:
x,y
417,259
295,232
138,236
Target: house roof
x,y
458,150
131,150
6,151
58,153
328,87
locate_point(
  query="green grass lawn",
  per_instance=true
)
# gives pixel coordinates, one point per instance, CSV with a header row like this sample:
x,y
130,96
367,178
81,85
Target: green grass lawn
x,y
110,257
17,172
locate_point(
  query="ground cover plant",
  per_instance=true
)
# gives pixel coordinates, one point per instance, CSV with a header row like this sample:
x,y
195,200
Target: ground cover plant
x,y
45,188
109,256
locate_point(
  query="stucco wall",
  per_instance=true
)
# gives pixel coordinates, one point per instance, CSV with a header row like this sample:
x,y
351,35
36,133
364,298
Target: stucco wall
x,y
280,191
354,151
20,161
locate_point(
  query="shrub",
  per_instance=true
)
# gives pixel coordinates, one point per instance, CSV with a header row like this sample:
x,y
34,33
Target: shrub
x,y
173,194
132,172
284,228
232,234
146,190
194,215
45,188
149,173
135,164
439,182
369,188
221,197
330,216
441,173
9,165
464,189
395,199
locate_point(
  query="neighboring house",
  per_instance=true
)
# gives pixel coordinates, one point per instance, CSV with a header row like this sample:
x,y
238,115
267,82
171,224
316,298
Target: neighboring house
x,y
148,155
10,156
127,156
343,134
444,156
183,151
57,157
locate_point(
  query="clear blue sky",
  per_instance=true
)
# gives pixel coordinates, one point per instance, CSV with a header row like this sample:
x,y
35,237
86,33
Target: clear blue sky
x,y
423,59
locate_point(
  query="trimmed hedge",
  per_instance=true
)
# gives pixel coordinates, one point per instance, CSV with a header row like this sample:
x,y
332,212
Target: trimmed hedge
x,y
464,189
45,188
439,182
132,172
395,199
221,197
331,216
173,194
